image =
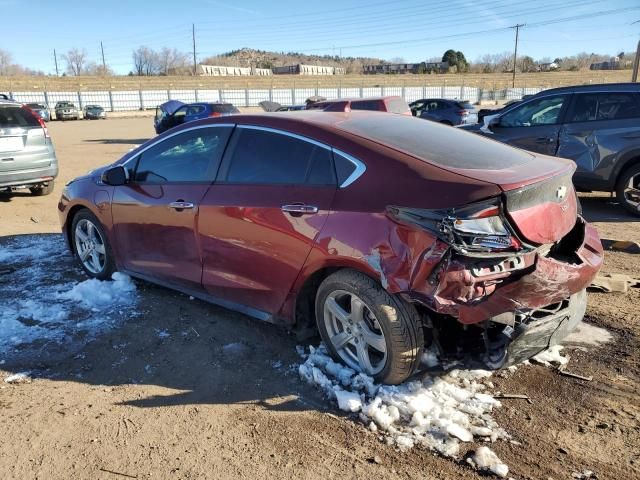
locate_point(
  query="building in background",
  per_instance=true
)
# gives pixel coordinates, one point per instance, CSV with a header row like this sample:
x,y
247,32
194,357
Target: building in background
x,y
402,68
615,63
547,67
300,69
222,71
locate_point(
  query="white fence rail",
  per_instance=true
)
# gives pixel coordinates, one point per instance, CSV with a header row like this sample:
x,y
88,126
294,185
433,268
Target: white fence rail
x,y
123,100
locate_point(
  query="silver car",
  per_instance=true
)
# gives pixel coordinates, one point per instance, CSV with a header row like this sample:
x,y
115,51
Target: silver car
x,y
27,157
66,111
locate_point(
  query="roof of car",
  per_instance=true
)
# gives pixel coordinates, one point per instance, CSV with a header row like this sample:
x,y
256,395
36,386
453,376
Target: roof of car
x,y
597,87
358,99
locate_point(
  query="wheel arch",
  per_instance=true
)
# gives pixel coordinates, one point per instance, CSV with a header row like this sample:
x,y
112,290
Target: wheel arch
x,y
627,161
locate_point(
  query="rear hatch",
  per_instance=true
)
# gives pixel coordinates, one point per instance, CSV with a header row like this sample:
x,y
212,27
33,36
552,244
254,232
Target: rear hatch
x,y
23,141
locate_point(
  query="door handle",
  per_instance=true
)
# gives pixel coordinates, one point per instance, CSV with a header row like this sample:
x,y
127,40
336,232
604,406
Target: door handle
x,y
181,205
299,209
545,140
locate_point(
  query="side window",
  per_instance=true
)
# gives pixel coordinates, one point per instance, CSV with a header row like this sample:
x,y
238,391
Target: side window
x,y
590,107
344,167
181,112
195,110
544,111
268,158
366,105
192,156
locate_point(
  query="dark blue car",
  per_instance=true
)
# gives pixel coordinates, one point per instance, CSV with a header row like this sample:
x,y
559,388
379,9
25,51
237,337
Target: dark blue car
x,y
173,113
449,112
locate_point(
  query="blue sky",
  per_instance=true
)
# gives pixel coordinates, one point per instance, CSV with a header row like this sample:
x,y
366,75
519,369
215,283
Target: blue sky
x,y
411,29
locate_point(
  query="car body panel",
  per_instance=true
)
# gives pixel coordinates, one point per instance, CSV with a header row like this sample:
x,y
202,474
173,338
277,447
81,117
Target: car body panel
x,y
255,257
601,149
27,155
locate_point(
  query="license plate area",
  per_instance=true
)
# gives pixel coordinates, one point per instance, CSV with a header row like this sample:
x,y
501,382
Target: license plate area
x,y
11,144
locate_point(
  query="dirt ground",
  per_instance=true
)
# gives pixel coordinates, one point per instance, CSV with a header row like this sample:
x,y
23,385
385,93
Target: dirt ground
x,y
136,404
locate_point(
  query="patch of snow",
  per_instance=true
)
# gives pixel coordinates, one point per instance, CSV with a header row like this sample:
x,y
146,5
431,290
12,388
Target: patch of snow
x,y
485,459
96,294
41,305
276,364
587,334
236,348
437,412
21,377
552,355
430,357
162,334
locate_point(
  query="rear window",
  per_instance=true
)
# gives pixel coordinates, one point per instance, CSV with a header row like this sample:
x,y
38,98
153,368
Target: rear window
x,y
226,108
448,147
397,105
367,105
14,116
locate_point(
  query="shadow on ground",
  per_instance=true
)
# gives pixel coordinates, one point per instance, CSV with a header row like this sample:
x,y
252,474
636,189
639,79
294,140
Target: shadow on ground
x,y
603,208
196,353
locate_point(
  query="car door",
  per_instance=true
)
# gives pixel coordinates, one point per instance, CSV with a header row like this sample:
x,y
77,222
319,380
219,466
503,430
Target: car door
x,y
156,211
261,217
533,125
598,128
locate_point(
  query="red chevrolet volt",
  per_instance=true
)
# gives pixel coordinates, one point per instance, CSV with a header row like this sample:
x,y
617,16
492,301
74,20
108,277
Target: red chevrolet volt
x,y
384,233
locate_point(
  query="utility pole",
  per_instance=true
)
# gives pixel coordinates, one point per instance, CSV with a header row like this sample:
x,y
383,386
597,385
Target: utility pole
x,y
55,59
195,64
515,54
636,61
104,64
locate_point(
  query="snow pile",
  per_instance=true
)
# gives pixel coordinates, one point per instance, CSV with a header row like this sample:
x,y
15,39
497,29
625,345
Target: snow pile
x,y
22,377
96,294
485,459
551,356
40,301
437,412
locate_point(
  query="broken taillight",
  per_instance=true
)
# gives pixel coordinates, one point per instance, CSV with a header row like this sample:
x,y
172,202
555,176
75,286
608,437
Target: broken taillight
x,y
476,228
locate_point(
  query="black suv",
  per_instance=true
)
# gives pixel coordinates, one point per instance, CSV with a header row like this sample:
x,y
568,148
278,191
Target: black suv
x,y
596,126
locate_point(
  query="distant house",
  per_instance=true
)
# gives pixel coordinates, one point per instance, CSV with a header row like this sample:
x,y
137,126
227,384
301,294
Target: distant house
x,y
615,63
222,71
402,68
300,69
547,67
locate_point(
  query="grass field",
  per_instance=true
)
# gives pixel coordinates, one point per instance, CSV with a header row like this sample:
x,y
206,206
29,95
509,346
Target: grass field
x,y
486,81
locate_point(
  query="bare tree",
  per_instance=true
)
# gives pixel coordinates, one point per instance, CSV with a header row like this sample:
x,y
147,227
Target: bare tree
x,y
76,61
5,62
145,61
169,59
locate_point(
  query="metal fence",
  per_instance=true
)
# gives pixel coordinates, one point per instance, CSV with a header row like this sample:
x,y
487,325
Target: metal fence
x,y
123,100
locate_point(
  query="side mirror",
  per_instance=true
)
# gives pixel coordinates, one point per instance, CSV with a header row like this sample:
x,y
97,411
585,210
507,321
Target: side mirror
x,y
115,176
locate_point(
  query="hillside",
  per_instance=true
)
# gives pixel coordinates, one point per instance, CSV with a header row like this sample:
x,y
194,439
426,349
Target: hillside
x,y
248,57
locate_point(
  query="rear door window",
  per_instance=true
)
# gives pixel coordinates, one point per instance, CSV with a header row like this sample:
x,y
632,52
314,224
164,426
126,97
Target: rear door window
x,y
15,116
593,107
189,157
367,105
543,111
270,158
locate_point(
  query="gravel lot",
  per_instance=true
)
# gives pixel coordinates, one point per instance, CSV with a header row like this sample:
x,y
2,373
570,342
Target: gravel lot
x,y
161,394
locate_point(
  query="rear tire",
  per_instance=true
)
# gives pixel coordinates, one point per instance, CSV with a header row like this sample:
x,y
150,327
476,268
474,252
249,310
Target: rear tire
x,y
91,246
41,190
628,190
358,319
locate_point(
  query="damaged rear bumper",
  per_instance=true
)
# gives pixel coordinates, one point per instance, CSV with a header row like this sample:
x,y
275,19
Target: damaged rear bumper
x,y
543,328
535,299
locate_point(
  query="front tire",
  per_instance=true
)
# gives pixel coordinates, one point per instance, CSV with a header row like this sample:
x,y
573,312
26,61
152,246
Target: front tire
x,y
367,328
91,246
628,190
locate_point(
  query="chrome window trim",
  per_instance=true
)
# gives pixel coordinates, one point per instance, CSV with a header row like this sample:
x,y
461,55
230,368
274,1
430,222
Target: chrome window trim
x,y
288,134
357,173
360,166
158,142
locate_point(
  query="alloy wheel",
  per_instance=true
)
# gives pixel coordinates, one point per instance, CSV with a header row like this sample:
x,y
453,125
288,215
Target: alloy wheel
x,y
631,192
354,332
90,246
